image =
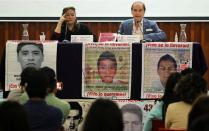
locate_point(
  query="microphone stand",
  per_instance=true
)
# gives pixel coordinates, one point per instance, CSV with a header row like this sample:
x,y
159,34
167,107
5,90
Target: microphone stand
x,y
143,40
65,40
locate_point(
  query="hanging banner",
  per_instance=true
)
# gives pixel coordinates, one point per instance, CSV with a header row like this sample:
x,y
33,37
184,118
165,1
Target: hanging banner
x,y
159,60
22,54
132,110
106,70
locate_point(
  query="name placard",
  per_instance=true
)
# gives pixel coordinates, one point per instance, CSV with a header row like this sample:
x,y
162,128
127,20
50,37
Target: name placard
x,y
129,38
107,37
82,38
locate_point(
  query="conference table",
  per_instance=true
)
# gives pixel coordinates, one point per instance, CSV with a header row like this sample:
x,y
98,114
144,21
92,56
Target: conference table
x,y
69,68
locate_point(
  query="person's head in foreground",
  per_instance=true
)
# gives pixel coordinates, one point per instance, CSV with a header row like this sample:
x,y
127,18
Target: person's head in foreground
x,y
13,117
190,87
199,109
103,115
199,124
35,82
52,86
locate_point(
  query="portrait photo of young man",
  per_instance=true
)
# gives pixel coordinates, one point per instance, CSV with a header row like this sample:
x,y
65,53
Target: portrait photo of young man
x,y
30,54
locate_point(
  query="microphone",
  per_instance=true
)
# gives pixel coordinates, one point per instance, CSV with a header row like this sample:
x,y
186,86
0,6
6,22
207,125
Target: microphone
x,y
119,31
140,26
141,29
65,40
146,40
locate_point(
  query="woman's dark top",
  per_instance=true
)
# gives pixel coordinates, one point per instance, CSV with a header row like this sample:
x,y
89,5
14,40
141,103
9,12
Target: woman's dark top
x,y
65,34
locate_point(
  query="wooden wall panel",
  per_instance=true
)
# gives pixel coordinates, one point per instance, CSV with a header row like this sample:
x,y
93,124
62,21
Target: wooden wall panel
x,y
204,40
196,31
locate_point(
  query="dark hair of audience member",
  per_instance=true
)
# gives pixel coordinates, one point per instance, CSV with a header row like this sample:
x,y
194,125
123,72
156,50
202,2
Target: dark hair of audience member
x,y
51,78
199,124
34,81
199,108
103,115
13,117
169,95
187,71
190,87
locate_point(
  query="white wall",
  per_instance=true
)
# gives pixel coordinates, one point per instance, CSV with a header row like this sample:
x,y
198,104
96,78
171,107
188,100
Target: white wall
x,y
103,8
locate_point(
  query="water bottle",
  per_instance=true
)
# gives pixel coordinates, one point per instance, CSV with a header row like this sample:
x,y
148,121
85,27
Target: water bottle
x,y
176,39
25,34
183,37
42,37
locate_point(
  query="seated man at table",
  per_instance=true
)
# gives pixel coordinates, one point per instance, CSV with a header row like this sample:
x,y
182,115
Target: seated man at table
x,y
138,25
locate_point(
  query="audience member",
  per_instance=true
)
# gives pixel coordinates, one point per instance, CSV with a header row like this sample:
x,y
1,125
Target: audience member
x,y
14,95
13,117
132,117
159,110
199,109
51,99
103,115
41,117
200,124
187,71
68,26
138,25
188,89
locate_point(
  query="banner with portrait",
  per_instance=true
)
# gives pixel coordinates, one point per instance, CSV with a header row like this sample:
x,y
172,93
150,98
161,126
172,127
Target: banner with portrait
x,y
159,60
106,70
22,54
138,110
135,111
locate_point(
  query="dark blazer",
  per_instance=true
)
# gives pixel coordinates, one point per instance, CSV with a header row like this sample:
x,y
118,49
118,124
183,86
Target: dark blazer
x,y
151,31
